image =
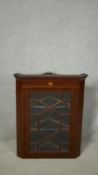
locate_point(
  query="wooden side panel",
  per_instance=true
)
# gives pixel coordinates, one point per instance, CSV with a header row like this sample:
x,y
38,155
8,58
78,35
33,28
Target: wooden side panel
x,y
20,118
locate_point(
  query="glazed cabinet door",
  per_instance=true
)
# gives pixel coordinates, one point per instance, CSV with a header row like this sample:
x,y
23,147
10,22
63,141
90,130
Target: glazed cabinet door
x,y
49,123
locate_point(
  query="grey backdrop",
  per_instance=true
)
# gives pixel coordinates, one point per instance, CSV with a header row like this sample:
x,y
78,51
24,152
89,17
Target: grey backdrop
x,y
48,35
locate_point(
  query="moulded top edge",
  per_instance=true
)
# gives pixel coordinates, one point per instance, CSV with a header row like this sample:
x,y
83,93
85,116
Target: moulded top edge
x,y
29,76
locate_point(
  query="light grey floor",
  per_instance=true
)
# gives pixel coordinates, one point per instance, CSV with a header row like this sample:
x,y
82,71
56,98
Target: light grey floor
x,y
10,164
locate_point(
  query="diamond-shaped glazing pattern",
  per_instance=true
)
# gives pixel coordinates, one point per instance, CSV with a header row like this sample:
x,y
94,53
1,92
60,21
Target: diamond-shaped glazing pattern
x,y
49,119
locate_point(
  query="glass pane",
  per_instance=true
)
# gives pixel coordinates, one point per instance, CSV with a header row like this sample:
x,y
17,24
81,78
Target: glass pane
x,y
49,118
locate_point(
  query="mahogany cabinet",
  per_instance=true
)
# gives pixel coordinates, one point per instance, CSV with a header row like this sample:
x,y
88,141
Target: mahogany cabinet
x,y
49,111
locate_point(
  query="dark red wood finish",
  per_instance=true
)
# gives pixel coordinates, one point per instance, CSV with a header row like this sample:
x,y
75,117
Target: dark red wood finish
x,y
71,83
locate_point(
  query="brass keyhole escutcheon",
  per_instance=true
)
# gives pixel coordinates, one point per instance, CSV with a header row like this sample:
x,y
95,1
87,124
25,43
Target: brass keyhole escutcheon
x,y
50,83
